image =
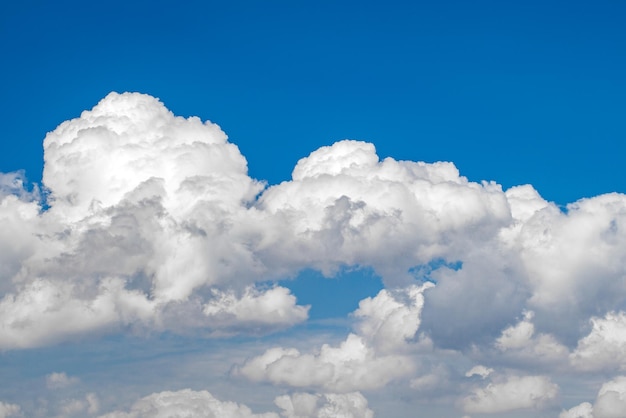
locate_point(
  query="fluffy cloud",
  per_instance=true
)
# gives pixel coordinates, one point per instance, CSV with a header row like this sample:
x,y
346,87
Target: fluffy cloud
x,y
330,405
584,410
391,318
521,341
8,410
152,222
512,393
605,346
353,365
345,206
479,370
367,360
186,403
145,208
575,262
611,400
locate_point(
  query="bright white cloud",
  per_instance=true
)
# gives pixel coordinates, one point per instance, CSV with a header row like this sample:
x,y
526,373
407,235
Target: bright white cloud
x,y
186,403
351,366
521,341
273,307
367,360
391,318
584,410
153,223
329,405
145,209
605,346
510,394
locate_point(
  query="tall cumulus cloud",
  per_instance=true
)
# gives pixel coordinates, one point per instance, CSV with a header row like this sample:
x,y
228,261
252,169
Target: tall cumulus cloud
x,y
152,223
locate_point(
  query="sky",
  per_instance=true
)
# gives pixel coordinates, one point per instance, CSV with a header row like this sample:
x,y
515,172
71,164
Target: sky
x,y
307,209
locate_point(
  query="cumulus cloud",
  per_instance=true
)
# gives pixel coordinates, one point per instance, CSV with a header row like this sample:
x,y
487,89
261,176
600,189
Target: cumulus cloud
x,y
611,400
186,403
575,262
510,394
479,370
9,410
521,341
152,222
367,360
605,346
353,365
329,405
584,410
145,208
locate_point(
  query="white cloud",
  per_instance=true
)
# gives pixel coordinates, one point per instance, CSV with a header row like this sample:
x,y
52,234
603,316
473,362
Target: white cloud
x,y
154,223
273,307
329,405
575,261
9,410
521,341
60,380
369,359
344,206
510,394
479,370
605,346
353,365
145,210
611,400
391,318
186,403
584,410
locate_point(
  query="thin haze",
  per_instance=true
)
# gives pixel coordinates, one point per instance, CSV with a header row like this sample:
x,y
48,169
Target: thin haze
x,y
461,254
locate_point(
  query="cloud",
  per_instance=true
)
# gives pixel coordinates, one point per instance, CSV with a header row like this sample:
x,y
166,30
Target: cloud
x,y
584,410
350,366
575,262
611,400
510,394
345,207
605,346
145,210
521,341
152,223
367,360
329,405
186,403
273,307
60,380
479,370
9,410
391,318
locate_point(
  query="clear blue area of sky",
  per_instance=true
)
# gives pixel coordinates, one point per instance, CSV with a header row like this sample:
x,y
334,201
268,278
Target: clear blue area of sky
x,y
515,91
512,91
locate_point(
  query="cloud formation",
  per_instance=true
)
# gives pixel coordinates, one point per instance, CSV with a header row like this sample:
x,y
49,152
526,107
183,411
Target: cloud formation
x,y
152,224
368,360
512,393
186,403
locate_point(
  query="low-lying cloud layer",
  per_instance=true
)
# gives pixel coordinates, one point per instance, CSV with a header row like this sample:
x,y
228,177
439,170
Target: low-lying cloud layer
x,y
153,224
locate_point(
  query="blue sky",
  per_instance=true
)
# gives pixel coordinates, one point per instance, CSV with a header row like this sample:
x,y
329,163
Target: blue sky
x,y
511,92
517,92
